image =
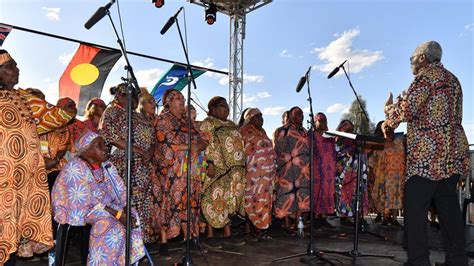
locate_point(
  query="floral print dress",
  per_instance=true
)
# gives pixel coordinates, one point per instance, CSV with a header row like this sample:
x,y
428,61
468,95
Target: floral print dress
x,y
223,195
79,197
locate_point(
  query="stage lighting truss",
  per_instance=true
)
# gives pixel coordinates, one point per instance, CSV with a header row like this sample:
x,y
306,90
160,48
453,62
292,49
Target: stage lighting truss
x,y
211,14
158,3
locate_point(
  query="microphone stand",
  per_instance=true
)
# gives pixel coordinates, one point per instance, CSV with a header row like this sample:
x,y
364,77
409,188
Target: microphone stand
x,y
132,88
359,143
187,260
311,251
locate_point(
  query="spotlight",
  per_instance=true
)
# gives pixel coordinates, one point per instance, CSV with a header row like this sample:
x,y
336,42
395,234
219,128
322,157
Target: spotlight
x,y
158,3
211,15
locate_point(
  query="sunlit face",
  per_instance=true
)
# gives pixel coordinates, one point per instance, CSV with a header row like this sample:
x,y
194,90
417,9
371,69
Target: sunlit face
x,y
321,124
176,105
221,110
70,107
257,120
297,116
97,151
9,74
149,106
417,61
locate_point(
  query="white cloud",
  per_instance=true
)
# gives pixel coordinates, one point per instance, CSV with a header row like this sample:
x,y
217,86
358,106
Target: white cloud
x,y
284,53
209,63
469,27
52,13
264,94
341,49
66,58
338,108
276,110
252,79
148,77
248,99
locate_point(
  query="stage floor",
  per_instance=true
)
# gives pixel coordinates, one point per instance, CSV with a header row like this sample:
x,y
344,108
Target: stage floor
x,y
377,240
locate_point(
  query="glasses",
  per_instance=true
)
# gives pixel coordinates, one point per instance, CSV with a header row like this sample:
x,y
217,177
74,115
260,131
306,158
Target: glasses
x,y
412,58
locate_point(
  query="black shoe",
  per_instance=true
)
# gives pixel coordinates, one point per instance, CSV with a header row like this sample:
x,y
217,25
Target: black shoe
x,y
396,224
164,252
232,240
212,243
378,219
323,223
195,246
346,222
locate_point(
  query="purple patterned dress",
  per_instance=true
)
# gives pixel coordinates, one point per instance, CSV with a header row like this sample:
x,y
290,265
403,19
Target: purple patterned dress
x,y
79,197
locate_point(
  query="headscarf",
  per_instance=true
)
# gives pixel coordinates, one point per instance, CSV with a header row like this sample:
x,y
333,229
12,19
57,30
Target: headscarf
x,y
321,117
63,102
5,57
96,102
251,112
85,141
345,126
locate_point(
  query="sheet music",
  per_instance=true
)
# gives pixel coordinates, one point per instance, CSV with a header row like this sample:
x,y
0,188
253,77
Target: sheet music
x,y
341,134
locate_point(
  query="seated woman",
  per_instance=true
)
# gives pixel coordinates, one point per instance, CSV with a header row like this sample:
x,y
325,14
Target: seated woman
x,y
88,190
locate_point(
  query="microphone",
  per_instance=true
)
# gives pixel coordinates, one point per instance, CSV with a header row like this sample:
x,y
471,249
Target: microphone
x,y
98,15
170,22
334,72
302,81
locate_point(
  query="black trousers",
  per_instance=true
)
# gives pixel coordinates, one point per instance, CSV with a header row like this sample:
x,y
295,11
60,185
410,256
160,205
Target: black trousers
x,y
419,192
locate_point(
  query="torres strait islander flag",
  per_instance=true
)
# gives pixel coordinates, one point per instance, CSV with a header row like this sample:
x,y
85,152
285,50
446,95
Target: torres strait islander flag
x,y
175,78
85,75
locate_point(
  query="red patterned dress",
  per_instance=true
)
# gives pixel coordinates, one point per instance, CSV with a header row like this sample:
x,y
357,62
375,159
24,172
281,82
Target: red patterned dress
x,y
171,170
292,151
260,175
324,174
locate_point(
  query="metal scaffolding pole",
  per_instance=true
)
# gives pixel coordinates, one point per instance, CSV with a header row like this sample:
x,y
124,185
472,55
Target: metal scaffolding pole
x,y
236,65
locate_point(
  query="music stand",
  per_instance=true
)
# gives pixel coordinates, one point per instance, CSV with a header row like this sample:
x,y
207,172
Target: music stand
x,y
360,141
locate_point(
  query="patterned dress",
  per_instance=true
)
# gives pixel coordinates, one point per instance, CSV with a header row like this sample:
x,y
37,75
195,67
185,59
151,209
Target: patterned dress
x,y
113,127
79,197
223,195
390,177
346,178
260,175
171,166
25,212
324,173
292,151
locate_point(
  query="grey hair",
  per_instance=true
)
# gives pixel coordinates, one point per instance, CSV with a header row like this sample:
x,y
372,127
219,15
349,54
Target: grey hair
x,y
431,49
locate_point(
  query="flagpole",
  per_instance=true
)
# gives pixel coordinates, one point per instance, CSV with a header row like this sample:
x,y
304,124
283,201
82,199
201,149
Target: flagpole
x,y
111,48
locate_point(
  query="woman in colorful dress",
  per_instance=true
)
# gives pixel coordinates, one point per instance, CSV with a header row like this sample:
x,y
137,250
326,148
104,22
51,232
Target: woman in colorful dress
x,y
390,178
171,155
292,151
260,170
113,127
94,109
324,172
89,191
223,188
346,176
25,205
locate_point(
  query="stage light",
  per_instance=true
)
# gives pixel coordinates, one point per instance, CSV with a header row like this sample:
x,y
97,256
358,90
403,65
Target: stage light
x,y
158,3
211,14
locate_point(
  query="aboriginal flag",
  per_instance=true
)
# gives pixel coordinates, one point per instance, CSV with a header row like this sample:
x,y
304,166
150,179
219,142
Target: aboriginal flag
x,y
4,31
85,75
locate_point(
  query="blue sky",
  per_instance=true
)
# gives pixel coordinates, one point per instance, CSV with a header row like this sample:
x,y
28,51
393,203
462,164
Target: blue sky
x,y
282,40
